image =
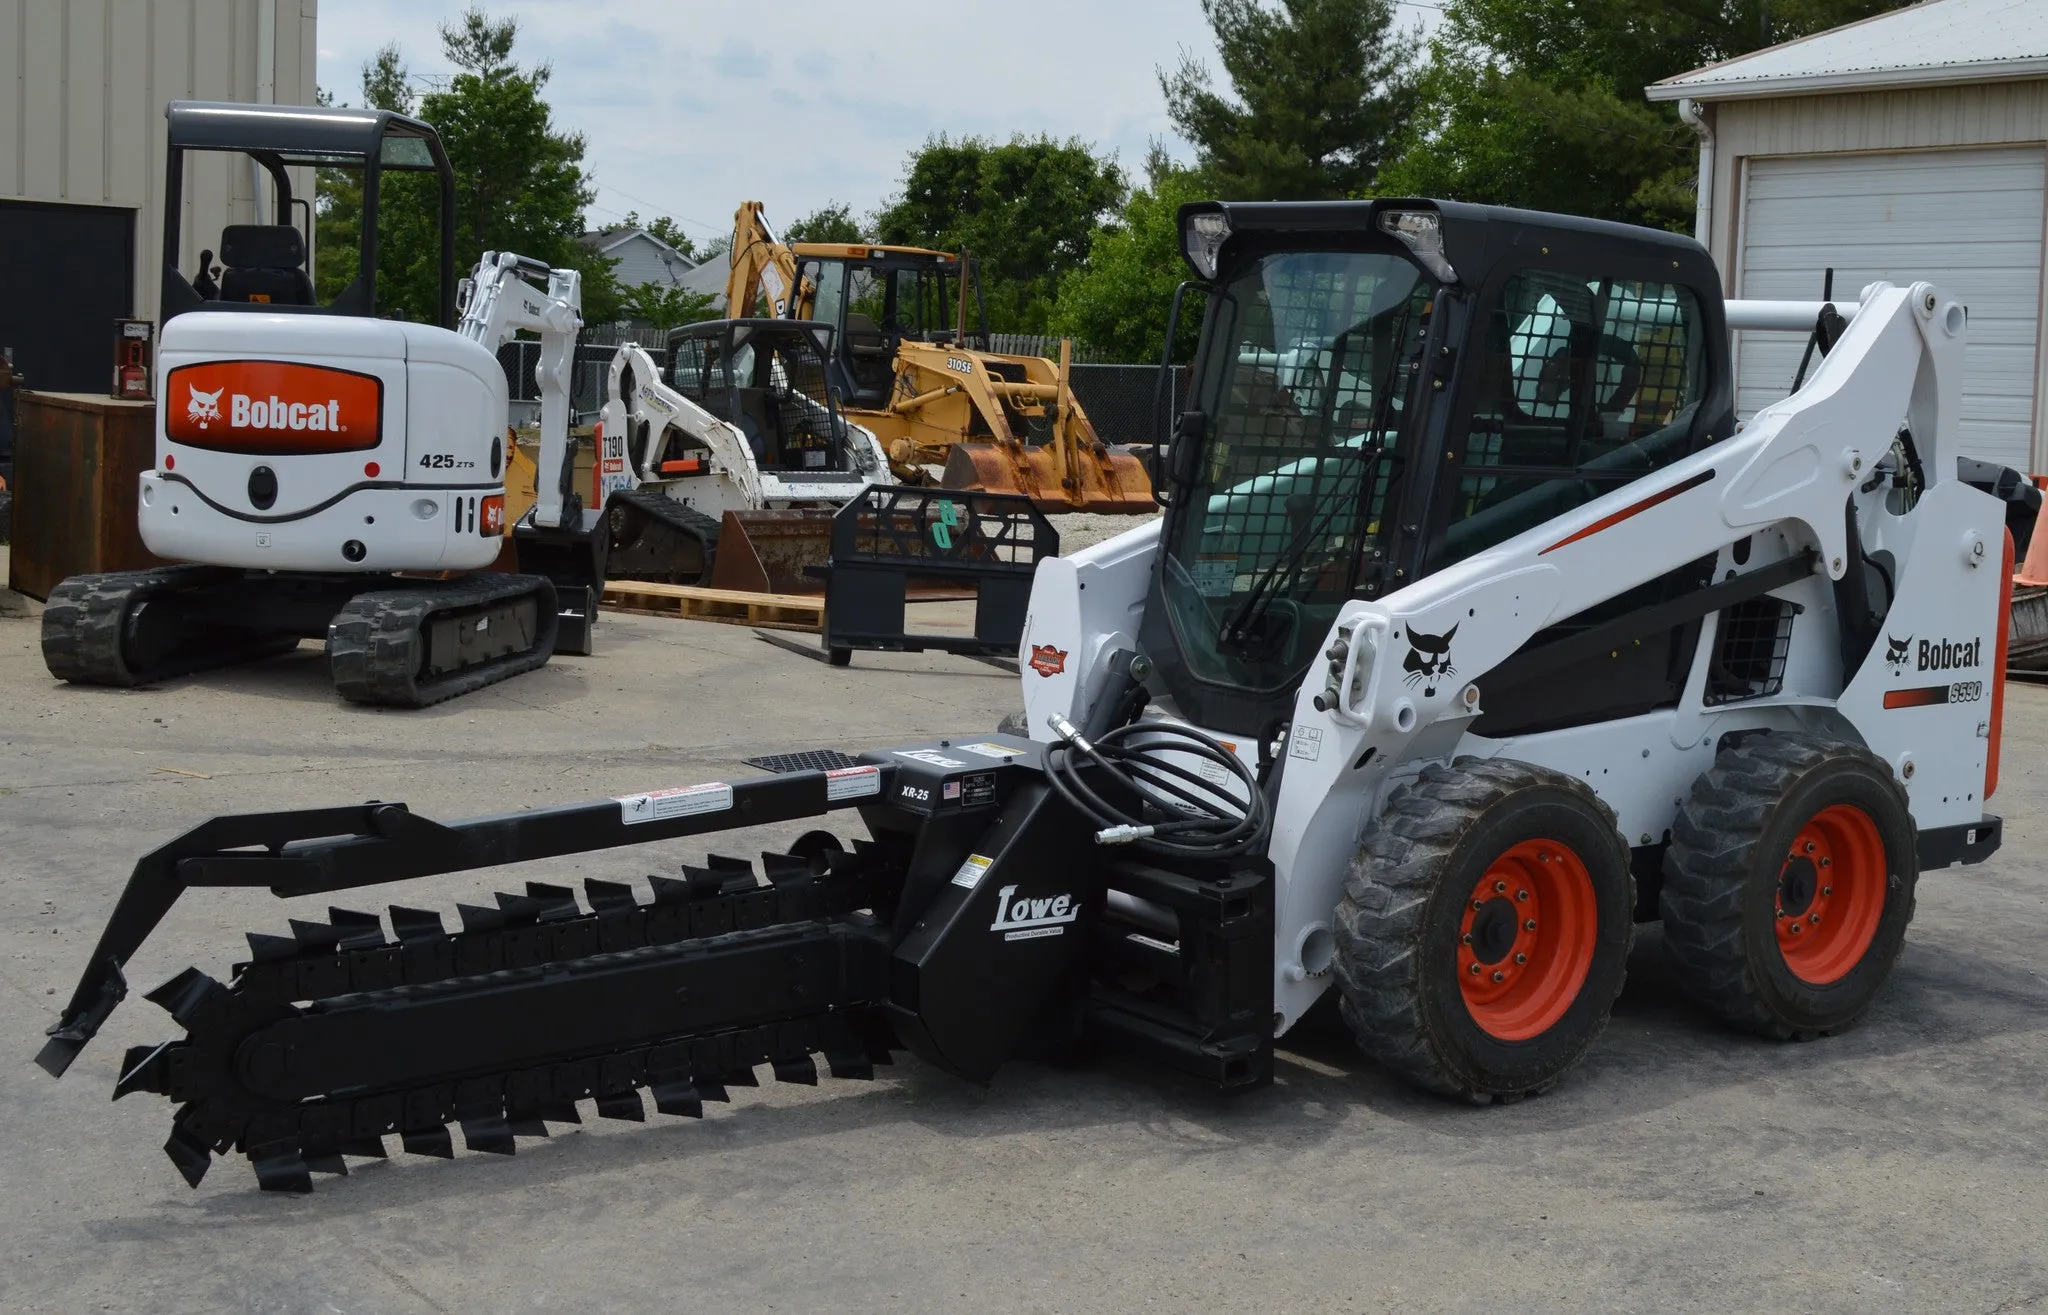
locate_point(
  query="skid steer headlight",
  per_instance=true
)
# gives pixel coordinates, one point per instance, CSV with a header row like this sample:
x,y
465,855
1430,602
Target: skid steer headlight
x,y
1422,232
1202,240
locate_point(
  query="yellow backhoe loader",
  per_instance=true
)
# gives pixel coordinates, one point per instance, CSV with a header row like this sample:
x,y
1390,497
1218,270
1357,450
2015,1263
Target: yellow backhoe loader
x,y
906,366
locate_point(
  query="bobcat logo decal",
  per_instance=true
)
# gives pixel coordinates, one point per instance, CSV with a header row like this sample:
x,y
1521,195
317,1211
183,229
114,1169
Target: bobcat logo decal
x,y
1429,659
1899,651
203,406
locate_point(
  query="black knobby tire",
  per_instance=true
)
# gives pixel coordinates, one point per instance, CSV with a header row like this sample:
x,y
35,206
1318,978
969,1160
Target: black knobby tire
x,y
1400,927
1732,871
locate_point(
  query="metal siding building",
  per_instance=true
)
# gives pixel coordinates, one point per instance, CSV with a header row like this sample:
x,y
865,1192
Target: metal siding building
x,y
83,85
1909,146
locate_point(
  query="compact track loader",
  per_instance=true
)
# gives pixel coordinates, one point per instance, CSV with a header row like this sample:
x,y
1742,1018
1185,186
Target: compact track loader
x,y
1477,632
728,464
323,473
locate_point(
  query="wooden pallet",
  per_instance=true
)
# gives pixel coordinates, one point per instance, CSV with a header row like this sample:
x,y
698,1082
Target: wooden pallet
x,y
733,606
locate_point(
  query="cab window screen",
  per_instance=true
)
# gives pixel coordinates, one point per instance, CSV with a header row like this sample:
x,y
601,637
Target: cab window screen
x,y
1585,384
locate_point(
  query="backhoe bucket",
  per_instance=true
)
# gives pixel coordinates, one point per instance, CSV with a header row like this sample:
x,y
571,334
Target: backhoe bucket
x,y
1103,480
768,552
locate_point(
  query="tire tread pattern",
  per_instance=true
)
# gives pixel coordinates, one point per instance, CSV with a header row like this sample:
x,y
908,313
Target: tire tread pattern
x,y
1713,843
1381,919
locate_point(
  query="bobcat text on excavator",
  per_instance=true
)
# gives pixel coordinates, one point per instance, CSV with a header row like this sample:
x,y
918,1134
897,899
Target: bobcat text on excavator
x,y
1476,633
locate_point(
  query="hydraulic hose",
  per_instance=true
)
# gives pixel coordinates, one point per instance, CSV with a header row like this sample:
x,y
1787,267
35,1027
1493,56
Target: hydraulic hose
x,y
1183,813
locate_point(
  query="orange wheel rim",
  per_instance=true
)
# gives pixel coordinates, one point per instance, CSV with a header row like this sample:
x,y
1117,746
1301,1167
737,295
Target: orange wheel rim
x,y
1830,894
1525,943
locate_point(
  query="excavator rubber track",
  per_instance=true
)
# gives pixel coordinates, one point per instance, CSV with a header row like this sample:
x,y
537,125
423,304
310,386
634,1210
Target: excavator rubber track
x,y
335,1036
413,647
124,628
656,538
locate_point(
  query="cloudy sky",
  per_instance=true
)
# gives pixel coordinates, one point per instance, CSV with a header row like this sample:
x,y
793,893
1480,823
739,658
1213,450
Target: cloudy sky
x,y
691,108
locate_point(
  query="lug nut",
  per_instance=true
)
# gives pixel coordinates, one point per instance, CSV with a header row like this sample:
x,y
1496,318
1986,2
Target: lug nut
x,y
1499,976
1521,895
1466,939
1500,887
1814,919
1827,890
1827,862
1798,926
1521,958
1475,970
1529,925
1810,846
1477,904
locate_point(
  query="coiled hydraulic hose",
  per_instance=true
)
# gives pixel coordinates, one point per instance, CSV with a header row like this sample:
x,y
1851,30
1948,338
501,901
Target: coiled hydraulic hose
x,y
1184,814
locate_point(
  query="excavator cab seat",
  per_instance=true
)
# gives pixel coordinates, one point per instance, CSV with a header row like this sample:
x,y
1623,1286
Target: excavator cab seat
x,y
264,263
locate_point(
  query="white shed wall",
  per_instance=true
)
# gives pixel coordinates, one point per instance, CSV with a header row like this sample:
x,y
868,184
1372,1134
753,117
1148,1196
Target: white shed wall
x,y
83,84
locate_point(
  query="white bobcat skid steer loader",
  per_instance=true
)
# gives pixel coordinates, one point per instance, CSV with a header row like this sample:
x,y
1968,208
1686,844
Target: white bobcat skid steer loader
x,y
1527,640
1479,637
329,473
740,442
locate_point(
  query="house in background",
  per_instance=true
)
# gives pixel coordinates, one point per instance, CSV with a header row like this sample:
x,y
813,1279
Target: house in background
x,y
643,258
1909,146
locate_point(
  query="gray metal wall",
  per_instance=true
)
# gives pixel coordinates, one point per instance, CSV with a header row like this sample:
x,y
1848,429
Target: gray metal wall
x,y
83,85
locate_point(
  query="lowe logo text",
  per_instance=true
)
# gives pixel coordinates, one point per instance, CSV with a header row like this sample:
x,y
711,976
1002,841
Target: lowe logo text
x,y
1947,655
1028,919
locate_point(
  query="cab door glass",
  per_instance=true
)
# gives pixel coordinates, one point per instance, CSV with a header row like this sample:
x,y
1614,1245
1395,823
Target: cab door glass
x,y
1583,385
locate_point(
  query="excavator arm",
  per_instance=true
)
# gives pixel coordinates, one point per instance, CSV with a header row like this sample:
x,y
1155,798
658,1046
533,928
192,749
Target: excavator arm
x,y
497,301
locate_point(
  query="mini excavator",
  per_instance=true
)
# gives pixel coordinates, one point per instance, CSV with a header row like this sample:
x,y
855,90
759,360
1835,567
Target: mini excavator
x,y
1476,632
324,473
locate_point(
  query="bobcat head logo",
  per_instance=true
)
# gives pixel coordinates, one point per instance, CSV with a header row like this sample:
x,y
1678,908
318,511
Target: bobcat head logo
x,y
1429,659
1896,653
203,406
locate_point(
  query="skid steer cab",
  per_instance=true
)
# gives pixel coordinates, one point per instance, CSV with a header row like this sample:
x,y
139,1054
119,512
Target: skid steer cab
x,y
325,468
1476,632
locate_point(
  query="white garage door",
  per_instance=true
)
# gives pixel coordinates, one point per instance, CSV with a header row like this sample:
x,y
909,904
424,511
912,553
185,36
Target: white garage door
x,y
1969,220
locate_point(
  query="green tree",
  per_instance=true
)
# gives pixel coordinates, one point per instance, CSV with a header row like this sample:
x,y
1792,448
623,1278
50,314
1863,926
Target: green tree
x,y
1117,301
1322,87
1027,210
831,222
519,182
664,306
1539,103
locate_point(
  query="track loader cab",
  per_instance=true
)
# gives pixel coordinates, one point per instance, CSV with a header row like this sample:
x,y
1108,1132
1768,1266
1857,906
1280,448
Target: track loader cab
x,y
1389,387
768,377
